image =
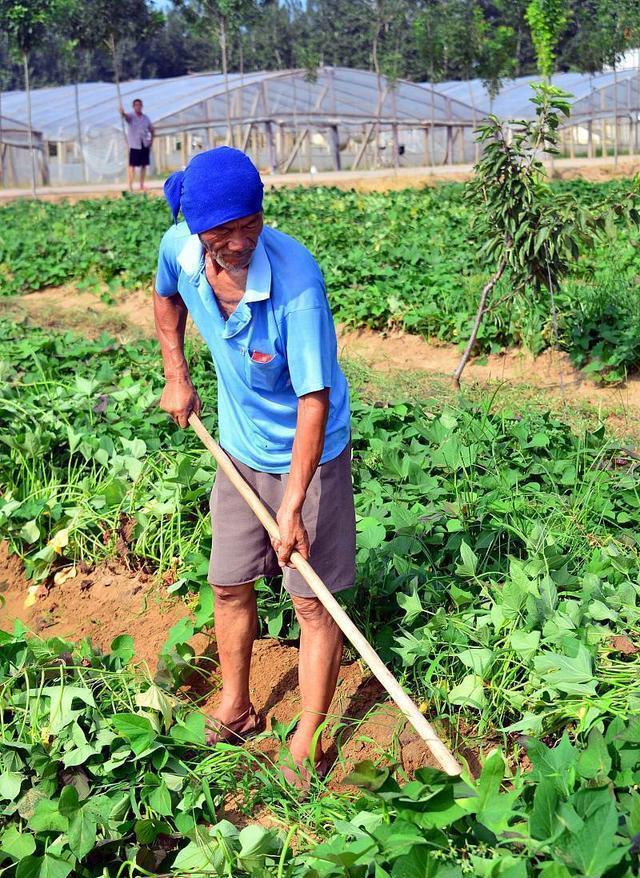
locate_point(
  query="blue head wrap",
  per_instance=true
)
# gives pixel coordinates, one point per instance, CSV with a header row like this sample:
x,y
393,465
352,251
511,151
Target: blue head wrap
x,y
216,187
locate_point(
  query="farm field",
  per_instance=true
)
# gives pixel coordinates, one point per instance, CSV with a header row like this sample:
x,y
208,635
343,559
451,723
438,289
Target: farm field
x,y
498,572
413,265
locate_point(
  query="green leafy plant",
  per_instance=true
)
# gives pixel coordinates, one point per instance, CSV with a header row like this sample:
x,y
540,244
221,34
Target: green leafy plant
x,y
531,234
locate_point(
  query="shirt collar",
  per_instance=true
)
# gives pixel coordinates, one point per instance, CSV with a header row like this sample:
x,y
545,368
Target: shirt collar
x,y
258,288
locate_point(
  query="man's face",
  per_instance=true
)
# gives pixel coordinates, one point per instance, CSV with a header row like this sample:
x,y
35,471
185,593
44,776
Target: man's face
x,y
232,244
137,107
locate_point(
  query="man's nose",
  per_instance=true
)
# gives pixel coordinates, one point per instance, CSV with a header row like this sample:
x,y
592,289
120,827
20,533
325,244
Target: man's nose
x,y
236,243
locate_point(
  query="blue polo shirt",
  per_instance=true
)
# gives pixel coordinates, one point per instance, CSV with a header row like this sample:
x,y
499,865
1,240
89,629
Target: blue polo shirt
x,y
285,315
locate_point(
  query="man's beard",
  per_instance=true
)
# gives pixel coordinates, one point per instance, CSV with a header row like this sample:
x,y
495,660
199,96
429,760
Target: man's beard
x,y
234,268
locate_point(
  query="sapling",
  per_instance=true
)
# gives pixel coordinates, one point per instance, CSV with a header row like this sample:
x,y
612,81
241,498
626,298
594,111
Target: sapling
x,y
532,234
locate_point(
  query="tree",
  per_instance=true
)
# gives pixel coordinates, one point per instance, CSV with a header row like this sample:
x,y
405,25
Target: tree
x,y
547,20
222,19
530,233
102,22
25,24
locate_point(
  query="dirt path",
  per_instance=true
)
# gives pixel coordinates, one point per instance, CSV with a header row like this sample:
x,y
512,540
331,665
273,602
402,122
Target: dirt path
x,y
131,316
109,600
378,180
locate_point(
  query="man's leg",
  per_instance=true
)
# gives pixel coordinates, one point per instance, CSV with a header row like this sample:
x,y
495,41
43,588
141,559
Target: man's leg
x,y
236,626
319,664
142,171
130,172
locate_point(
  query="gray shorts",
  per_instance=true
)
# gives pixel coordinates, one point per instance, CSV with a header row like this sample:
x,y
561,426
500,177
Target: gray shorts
x,y
242,552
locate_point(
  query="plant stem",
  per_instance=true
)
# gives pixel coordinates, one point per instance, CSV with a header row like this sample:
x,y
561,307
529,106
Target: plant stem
x,y
482,307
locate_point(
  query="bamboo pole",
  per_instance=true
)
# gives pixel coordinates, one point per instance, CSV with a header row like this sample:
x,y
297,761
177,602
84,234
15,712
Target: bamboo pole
x,y
442,754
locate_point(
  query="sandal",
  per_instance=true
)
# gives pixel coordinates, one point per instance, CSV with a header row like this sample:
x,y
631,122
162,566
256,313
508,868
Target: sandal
x,y
300,774
236,731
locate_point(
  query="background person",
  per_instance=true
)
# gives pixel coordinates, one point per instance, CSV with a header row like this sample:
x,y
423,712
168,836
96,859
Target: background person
x,y
258,298
139,137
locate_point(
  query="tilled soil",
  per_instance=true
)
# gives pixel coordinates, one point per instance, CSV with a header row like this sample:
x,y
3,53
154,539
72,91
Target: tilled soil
x,y
111,599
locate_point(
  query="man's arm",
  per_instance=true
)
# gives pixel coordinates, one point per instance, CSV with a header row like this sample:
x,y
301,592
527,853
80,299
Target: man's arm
x,y
124,114
179,397
313,410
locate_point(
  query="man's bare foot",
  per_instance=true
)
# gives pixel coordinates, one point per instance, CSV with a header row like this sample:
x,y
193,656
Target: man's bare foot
x,y
300,773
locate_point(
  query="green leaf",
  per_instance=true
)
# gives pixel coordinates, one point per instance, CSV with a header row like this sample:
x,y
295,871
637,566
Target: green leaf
x,y
592,849
48,866
371,533
160,801
190,730
366,774
69,801
123,647
469,563
155,698
410,603
418,863
494,808
204,613
256,843
47,818
137,730
558,764
478,659
82,833
182,631
16,844
570,674
525,643
61,712
469,693
595,761
30,532
543,820
10,784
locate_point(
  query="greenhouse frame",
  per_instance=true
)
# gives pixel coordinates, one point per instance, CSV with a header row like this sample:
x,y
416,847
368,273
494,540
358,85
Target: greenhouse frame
x,y
294,120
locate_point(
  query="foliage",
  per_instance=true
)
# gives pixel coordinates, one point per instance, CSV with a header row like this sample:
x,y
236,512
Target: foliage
x,y
602,329
25,22
547,20
431,40
505,536
388,278
530,233
104,772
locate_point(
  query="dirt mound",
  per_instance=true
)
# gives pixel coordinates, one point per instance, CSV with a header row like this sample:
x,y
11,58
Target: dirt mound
x,y
131,316
99,604
111,600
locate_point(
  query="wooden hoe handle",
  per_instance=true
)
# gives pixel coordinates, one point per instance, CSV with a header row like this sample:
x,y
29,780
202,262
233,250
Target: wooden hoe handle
x,y
442,754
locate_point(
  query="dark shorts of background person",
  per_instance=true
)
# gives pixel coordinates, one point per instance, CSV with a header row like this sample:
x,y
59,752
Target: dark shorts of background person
x,y
242,552
139,158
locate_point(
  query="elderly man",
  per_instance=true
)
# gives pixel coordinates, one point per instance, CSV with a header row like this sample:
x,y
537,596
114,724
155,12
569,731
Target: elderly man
x,y
258,299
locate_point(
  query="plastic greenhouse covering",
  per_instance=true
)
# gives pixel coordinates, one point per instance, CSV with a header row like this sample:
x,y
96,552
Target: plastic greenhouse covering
x,y
336,118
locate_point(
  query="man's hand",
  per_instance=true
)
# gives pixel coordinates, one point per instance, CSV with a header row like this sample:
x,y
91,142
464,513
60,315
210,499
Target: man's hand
x,y
293,535
179,399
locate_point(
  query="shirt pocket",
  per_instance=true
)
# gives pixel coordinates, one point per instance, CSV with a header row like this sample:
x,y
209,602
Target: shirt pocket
x,y
262,373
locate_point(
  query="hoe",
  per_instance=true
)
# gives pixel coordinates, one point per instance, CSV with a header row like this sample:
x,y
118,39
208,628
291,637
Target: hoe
x,y
441,753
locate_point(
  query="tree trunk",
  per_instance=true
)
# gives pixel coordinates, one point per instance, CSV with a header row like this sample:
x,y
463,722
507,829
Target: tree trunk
x,y
25,59
482,307
615,112
225,73
111,42
76,95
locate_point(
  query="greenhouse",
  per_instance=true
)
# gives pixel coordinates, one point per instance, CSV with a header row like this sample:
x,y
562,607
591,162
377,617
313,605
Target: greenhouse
x,y
605,108
286,120
294,121
15,148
